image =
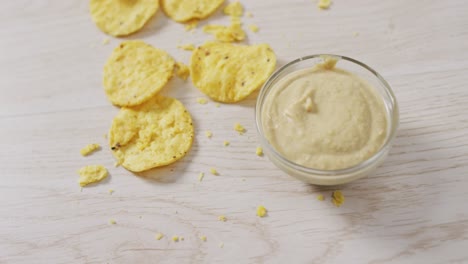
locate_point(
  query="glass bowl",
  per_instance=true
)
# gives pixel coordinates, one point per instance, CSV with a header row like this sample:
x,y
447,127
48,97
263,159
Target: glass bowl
x,y
341,176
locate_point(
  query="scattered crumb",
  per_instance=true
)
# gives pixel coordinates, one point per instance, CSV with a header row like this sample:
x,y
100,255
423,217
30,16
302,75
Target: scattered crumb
x,y
261,211
116,164
259,151
214,171
320,197
248,14
175,238
111,191
226,143
222,218
81,189
200,176
203,238
140,216
182,71
182,238
243,179
254,28
338,198
105,136
159,236
202,101
239,128
324,4
191,25
234,9
208,134
90,148
221,245
112,222
355,34
217,105
91,174
105,41
189,47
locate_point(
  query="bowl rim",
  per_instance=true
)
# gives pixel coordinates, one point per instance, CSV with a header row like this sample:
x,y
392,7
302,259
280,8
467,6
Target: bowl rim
x,y
339,174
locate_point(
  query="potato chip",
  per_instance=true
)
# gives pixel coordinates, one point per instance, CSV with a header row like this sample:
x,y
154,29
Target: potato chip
x,y
234,9
135,72
91,174
186,10
122,17
229,73
156,133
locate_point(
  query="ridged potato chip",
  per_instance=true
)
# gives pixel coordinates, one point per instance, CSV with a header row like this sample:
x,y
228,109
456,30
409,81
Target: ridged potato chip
x,y
135,72
186,10
122,17
229,73
156,133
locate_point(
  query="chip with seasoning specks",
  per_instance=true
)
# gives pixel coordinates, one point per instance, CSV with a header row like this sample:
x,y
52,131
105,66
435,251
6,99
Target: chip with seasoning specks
x,y
135,72
229,73
186,10
156,133
122,17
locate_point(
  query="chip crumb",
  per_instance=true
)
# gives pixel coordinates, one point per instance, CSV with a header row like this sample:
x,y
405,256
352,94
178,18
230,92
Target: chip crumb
x,y
188,47
159,236
191,25
243,179
239,128
355,34
214,171
90,148
105,136
221,245
222,218
324,4
208,134
226,143
261,211
203,238
182,238
105,41
112,222
248,14
81,189
320,197
259,151
117,164
175,238
182,70
201,175
202,101
91,174
254,28
234,9
231,33
217,105
338,198
111,191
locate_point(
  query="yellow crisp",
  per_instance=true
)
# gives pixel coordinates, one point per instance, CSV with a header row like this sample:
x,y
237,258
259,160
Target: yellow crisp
x,y
122,17
234,9
229,73
111,191
105,41
186,10
254,28
222,218
89,149
175,238
156,133
203,238
338,198
208,134
112,222
182,70
213,171
191,25
239,128
202,101
324,4
188,47
135,72
261,211
91,174
259,151
159,236
226,143
320,197
231,33
201,175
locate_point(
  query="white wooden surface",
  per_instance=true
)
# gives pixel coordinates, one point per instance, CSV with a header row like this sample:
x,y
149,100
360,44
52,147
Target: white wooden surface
x,y
413,209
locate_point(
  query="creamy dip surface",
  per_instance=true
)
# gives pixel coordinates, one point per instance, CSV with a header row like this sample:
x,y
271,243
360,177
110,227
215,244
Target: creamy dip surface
x,y
324,118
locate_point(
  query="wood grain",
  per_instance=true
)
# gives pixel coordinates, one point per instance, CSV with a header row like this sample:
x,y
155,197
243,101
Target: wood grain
x,y
411,210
